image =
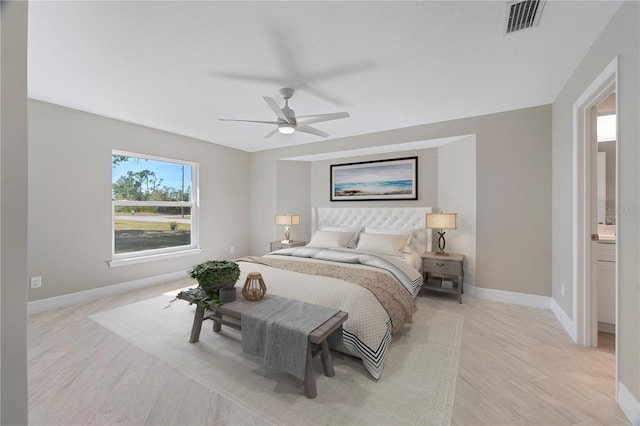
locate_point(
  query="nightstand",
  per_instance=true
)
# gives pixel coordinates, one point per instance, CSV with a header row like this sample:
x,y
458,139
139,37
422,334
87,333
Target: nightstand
x,y
277,245
437,270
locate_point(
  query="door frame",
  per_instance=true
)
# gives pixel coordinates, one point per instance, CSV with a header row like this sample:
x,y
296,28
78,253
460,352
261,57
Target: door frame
x,y
584,152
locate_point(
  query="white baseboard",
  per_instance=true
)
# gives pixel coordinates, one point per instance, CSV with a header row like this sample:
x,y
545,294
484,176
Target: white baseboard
x,y
565,321
508,296
84,296
629,405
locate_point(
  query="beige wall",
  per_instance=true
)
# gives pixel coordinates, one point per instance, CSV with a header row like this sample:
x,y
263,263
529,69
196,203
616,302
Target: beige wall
x,y
70,198
513,187
620,38
263,209
293,196
457,194
13,216
513,154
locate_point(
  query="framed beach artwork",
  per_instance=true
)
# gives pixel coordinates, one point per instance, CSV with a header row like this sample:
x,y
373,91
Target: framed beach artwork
x,y
395,179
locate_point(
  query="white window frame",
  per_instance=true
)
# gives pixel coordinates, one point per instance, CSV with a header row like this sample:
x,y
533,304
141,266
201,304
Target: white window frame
x,y
121,259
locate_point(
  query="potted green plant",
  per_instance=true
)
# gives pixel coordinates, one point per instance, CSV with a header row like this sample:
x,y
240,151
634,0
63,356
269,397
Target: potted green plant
x,y
214,274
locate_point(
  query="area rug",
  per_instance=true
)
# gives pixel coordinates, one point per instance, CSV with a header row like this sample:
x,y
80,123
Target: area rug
x,y
417,385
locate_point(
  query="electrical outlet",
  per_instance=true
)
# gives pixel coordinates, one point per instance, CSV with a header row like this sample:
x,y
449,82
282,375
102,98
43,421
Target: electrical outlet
x,y
36,282
561,289
232,249
469,268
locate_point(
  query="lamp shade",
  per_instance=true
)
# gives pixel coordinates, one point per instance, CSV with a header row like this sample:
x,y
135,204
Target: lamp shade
x,y
442,220
287,219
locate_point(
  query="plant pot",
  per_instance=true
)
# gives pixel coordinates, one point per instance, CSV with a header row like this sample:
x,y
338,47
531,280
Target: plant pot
x,y
212,288
227,294
226,283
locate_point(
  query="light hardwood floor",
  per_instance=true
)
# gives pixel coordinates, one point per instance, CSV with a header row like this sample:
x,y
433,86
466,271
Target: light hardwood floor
x,y
517,366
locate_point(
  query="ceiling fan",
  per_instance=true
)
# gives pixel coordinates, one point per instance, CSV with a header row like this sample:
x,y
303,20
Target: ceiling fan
x,y
288,122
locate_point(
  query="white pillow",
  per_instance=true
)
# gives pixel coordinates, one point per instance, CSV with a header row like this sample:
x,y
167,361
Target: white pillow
x,y
330,239
353,242
382,243
398,231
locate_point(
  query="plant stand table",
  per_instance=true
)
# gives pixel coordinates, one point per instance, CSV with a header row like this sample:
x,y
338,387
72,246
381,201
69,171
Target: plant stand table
x,y
230,315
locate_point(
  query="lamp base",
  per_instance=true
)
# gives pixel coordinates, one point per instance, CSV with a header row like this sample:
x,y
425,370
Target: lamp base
x,y
441,244
287,235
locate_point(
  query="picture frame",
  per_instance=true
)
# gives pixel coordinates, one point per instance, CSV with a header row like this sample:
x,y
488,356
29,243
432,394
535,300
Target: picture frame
x,y
392,179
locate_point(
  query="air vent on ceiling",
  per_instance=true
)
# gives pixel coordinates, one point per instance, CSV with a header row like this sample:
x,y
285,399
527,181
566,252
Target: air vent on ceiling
x,y
522,14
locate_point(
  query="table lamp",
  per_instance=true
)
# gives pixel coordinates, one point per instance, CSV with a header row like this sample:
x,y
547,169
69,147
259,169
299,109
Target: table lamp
x,y
287,220
442,221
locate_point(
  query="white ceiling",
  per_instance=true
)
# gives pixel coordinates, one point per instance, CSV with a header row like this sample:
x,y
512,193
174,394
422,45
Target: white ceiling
x,y
169,64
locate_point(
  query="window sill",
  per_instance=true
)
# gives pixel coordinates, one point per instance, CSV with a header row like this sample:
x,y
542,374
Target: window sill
x,y
151,258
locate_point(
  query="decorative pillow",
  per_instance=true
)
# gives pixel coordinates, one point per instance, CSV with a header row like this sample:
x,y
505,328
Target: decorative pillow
x,y
330,239
407,232
382,243
419,239
353,242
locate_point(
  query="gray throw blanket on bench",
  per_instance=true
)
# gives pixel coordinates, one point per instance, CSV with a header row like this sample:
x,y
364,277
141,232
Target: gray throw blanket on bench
x,y
278,328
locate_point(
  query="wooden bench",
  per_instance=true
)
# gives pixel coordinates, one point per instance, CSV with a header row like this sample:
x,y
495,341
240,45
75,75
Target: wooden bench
x,y
230,314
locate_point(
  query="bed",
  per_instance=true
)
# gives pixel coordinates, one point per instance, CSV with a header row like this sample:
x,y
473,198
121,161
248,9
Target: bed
x,y
364,261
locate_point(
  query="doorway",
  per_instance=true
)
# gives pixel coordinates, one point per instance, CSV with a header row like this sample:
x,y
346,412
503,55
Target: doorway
x,y
586,232
606,131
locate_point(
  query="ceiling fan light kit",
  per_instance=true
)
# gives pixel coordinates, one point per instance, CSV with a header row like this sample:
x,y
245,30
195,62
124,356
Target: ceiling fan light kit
x,y
287,122
286,128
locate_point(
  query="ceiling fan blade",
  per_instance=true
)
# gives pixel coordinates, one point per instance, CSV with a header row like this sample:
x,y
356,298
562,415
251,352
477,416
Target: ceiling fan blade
x,y
271,133
340,70
251,77
312,130
281,41
318,118
248,121
276,109
323,94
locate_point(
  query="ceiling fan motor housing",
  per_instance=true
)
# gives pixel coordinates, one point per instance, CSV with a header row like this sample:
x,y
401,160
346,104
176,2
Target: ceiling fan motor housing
x,y
290,114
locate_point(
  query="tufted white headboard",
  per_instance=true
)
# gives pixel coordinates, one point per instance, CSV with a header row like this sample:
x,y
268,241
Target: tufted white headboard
x,y
376,217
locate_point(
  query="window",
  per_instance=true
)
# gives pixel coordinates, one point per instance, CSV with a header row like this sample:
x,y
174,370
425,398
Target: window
x,y
154,207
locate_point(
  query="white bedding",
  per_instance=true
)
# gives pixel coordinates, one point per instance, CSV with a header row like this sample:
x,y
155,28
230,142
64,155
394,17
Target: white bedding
x,y
367,332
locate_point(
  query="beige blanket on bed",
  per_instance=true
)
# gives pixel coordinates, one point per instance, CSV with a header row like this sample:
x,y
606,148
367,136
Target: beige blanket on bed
x,y
391,295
